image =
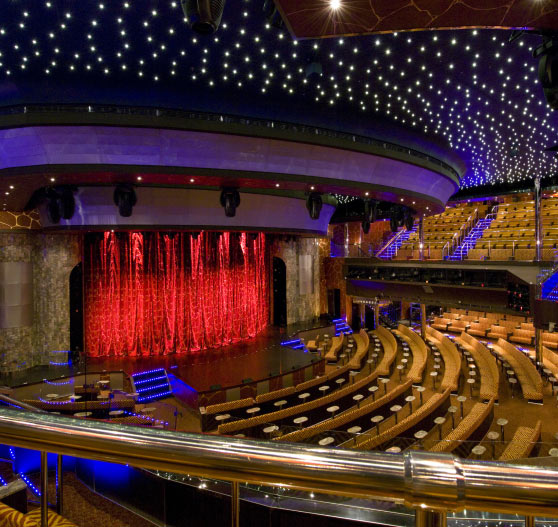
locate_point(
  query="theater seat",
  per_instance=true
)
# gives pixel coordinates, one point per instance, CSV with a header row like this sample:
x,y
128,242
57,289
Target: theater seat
x,y
550,340
11,518
522,336
497,332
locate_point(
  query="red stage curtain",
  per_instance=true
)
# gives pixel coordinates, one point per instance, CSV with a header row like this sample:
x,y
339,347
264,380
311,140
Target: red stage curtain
x,y
149,293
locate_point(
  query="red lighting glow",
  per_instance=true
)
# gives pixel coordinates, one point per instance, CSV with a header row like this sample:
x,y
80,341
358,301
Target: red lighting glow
x,y
150,293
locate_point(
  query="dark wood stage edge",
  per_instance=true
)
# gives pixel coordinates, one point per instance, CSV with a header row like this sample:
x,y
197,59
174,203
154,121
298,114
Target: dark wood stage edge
x,y
243,369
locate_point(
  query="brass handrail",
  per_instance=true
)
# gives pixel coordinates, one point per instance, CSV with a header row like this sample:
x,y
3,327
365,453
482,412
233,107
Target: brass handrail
x,y
418,479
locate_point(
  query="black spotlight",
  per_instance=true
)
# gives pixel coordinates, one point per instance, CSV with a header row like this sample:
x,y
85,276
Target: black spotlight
x,y
125,198
272,16
409,220
395,218
53,206
314,205
370,210
67,202
547,53
365,226
230,200
204,16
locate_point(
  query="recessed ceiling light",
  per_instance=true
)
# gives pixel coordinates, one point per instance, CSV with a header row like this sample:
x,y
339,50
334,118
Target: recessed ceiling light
x,y
191,180
276,184
139,178
334,4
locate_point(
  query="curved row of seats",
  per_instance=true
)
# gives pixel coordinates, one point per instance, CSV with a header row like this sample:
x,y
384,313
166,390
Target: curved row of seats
x,y
336,346
450,356
523,442
486,366
423,417
419,351
480,414
526,373
351,417
389,345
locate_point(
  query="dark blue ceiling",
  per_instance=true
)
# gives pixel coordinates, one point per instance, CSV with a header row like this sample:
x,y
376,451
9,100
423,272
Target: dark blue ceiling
x,y
461,95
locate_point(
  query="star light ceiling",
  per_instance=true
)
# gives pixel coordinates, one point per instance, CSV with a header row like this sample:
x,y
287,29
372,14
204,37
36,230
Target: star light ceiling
x,y
476,91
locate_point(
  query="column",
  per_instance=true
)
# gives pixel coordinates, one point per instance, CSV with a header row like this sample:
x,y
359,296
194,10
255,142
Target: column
x,y
421,239
361,313
538,220
423,321
539,348
376,316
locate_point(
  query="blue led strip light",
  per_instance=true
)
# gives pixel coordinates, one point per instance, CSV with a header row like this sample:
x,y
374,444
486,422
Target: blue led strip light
x,y
148,384
62,383
150,380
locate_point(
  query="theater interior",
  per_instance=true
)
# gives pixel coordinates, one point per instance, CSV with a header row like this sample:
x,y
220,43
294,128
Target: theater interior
x,y
278,262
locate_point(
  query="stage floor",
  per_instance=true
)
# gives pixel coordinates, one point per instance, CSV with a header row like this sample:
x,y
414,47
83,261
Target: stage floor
x,y
255,358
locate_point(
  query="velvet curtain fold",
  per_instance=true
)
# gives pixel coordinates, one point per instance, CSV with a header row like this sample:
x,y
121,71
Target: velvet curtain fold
x,y
150,293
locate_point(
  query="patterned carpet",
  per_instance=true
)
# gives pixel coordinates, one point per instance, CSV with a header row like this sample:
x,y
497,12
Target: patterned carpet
x,y
82,506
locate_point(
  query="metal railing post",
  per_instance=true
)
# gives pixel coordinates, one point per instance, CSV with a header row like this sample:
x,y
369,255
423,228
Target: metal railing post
x,y
235,504
529,521
44,489
430,518
59,486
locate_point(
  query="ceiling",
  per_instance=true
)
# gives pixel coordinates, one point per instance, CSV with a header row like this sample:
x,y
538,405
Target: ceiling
x,y
468,95
317,18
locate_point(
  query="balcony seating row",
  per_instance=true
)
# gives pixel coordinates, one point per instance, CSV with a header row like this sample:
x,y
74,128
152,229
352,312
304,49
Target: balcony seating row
x,y
419,351
479,415
526,373
486,365
336,345
436,405
523,442
450,356
390,350
12,518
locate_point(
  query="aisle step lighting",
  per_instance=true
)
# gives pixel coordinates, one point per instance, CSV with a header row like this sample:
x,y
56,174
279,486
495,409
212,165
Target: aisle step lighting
x,y
341,326
390,251
470,240
151,385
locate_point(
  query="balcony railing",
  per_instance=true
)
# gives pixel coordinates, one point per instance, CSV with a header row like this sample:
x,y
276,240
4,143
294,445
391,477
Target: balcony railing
x,y
430,483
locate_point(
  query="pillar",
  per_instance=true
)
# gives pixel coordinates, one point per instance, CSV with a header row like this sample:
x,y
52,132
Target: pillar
x,y
421,239
539,348
538,220
361,314
423,321
376,316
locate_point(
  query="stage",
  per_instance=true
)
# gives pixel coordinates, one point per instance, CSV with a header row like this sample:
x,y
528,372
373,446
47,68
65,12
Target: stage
x,y
250,360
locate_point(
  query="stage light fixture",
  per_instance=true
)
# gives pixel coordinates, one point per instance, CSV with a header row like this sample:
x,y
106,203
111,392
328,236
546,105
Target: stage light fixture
x,y
272,15
547,53
409,220
365,226
370,210
53,206
204,16
314,205
395,218
67,202
125,198
230,200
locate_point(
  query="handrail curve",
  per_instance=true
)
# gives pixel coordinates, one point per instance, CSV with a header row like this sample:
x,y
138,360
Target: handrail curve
x,y
417,479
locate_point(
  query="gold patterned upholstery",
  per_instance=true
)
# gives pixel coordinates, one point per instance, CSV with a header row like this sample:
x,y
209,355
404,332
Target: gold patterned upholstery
x,y
12,518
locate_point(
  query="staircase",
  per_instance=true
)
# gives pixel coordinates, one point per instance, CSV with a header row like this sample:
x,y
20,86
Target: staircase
x,y
471,239
341,326
390,251
550,288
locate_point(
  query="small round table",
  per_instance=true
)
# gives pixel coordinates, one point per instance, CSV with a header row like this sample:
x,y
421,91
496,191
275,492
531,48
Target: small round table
x,y
420,389
393,450
385,383
377,419
323,389
354,430
373,390
83,414
300,420
358,397
51,395
280,403
352,375
253,410
339,382
304,396
116,413
400,370
409,399
396,408
451,411
332,410
268,430
501,423
434,374
222,417
493,436
470,382
478,450
461,399
326,441
440,421
513,382
420,435
553,452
